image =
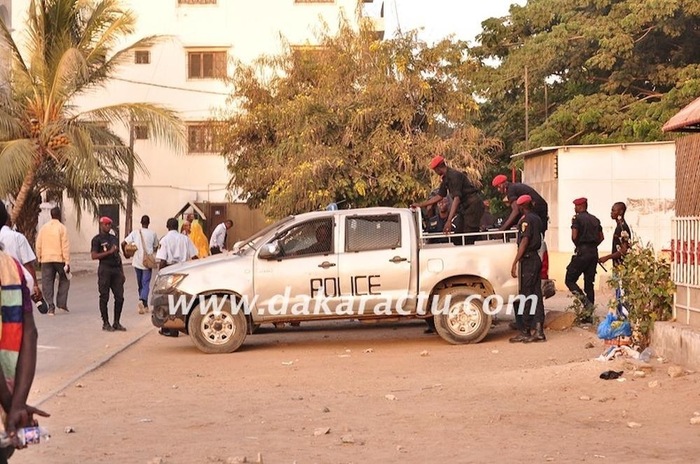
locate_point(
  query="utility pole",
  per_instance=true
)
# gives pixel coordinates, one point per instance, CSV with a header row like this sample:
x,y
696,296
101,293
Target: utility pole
x,y
128,221
527,110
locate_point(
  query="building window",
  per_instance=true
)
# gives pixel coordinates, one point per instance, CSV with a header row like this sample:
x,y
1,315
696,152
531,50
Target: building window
x,y
196,2
140,132
206,65
142,57
204,138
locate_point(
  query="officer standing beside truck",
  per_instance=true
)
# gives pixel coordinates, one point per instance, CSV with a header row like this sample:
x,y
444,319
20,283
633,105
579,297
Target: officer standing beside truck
x,y
528,260
587,234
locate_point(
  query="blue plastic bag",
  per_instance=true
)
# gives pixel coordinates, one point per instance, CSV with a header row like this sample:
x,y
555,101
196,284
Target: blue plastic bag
x,y
612,327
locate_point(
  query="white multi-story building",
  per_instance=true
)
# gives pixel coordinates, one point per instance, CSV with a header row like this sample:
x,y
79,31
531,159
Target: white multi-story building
x,y
183,71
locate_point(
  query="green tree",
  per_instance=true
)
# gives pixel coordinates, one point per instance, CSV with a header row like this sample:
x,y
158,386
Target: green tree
x,y
612,70
352,119
47,143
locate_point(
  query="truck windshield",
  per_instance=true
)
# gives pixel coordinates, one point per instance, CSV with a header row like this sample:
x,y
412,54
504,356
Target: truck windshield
x,y
253,240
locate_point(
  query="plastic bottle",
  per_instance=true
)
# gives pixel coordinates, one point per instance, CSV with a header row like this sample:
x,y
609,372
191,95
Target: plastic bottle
x,y
646,355
26,436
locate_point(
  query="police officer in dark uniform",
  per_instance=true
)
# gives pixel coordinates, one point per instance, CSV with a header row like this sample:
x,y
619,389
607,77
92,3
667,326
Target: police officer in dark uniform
x,y
513,191
528,259
587,234
110,273
467,202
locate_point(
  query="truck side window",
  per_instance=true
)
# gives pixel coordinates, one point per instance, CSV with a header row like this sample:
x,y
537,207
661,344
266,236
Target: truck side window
x,y
309,238
365,233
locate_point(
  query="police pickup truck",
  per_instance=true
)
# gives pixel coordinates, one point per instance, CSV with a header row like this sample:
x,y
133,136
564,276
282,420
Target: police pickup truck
x,y
365,264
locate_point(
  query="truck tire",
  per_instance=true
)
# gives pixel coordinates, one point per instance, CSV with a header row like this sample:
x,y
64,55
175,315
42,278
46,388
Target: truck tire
x,y
217,331
465,321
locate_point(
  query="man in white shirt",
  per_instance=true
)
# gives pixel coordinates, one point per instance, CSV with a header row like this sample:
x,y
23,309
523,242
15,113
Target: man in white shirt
x,y
174,248
146,242
217,242
16,245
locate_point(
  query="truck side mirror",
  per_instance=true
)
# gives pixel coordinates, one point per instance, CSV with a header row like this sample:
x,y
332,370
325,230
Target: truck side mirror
x,y
270,250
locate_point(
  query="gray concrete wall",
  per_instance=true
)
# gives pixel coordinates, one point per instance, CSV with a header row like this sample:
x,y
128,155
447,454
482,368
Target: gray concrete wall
x,y
679,343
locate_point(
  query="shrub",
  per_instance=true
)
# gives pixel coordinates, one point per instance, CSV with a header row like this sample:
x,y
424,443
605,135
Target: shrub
x,y
648,290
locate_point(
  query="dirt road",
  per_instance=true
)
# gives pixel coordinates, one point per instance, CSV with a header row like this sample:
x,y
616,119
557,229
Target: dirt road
x,y
385,393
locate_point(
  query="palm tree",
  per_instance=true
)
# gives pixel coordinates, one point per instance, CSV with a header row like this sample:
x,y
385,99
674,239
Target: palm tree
x,y
46,142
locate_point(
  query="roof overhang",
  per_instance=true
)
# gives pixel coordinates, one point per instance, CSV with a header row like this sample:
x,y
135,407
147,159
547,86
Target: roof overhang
x,y
545,150
196,209
686,120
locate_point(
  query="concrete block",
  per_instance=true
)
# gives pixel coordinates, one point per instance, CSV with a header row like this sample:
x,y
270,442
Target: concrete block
x,y
679,343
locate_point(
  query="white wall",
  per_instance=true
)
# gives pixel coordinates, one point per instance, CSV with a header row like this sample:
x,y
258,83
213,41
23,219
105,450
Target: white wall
x,y
641,175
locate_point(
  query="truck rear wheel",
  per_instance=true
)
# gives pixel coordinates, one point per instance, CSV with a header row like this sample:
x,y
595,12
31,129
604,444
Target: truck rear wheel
x,y
217,330
461,317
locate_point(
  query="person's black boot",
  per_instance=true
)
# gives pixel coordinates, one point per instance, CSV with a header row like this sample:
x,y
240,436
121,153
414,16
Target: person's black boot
x,y
517,324
523,336
537,335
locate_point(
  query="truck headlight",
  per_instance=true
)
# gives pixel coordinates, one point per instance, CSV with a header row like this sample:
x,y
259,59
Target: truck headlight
x,y
167,283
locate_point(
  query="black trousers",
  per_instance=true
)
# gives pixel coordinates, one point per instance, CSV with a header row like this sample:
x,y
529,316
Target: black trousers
x,y
583,262
469,217
110,278
532,312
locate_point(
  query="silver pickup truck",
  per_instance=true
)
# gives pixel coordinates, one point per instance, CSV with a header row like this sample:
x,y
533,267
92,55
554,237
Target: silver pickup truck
x,y
371,263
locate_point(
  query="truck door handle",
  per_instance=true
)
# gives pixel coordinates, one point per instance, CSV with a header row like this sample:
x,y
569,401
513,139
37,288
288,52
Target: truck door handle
x,y
326,265
397,259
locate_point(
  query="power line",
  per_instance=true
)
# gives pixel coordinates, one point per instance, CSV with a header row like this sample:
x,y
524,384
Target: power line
x,y
396,12
171,87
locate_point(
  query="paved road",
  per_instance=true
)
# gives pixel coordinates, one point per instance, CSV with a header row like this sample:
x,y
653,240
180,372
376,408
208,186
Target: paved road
x,y
72,344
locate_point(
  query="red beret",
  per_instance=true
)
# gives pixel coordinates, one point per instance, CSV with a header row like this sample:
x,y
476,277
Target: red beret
x,y
498,180
436,161
522,199
581,201
105,220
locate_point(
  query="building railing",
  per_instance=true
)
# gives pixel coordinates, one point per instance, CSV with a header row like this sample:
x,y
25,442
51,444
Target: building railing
x,y
685,251
685,267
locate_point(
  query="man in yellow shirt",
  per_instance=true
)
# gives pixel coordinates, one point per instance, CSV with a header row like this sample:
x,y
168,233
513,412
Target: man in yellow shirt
x,y
53,252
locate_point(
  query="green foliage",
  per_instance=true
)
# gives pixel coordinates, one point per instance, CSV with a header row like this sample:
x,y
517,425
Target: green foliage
x,y
585,315
353,119
613,70
648,290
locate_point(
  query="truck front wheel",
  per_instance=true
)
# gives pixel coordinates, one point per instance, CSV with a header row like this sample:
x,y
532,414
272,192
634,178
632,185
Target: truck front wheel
x,y
217,329
461,317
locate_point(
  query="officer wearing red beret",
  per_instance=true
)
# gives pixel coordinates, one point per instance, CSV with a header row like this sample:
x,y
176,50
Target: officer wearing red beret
x,y
587,234
513,191
529,314
467,203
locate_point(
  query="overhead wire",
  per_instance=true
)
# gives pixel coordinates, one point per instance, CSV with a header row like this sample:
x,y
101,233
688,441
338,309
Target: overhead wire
x,y
170,87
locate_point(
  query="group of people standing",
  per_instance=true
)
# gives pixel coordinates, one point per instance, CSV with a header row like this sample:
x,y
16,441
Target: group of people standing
x,y
529,213
149,254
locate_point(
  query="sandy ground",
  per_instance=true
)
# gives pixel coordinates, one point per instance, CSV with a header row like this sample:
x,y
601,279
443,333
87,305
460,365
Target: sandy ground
x,y
385,393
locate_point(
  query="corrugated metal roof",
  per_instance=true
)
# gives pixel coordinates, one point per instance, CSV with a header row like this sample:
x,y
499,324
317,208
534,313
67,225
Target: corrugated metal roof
x,y
686,120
